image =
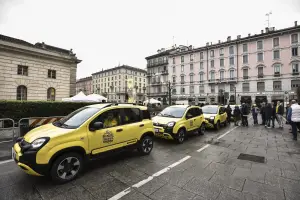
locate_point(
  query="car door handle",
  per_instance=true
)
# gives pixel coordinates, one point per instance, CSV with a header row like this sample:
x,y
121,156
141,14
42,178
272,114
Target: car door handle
x,y
141,125
119,130
194,119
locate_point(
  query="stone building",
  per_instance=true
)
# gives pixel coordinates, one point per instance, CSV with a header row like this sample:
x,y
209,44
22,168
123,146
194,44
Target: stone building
x,y
35,71
114,83
84,85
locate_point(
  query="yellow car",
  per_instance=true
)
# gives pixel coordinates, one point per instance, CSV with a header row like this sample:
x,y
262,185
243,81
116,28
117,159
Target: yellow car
x,y
175,122
215,115
60,149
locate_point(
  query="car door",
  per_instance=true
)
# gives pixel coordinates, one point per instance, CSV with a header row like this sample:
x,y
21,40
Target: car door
x,y
190,119
109,137
197,117
222,114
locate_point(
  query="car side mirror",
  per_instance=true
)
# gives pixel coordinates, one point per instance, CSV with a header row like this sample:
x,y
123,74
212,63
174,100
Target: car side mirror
x,y
96,126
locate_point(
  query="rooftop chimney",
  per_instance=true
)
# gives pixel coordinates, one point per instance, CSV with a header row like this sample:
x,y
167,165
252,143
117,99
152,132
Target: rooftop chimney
x,y
296,23
219,41
207,43
239,37
267,29
262,31
228,38
249,34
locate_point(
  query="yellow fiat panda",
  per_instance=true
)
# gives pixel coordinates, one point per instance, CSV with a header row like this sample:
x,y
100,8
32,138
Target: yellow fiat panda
x,y
60,149
215,115
175,122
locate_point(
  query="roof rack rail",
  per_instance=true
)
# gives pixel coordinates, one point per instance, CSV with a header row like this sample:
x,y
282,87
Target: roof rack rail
x,y
115,104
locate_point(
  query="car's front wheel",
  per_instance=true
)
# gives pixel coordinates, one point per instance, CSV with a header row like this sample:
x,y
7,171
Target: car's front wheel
x,y
217,126
180,136
66,167
145,145
201,130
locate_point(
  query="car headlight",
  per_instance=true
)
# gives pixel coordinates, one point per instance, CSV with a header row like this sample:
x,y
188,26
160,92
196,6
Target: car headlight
x,y
39,143
171,124
212,118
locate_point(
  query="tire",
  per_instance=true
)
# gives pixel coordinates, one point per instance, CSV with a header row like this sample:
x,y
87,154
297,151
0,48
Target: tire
x,y
180,136
145,145
201,130
217,126
66,167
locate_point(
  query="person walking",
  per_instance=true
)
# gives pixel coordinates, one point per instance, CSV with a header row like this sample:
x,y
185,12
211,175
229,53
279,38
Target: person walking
x,y
273,115
228,111
254,111
286,112
294,117
263,114
279,114
244,114
236,115
268,115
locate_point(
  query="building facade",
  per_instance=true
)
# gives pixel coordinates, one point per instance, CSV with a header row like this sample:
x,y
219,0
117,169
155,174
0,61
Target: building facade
x,y
253,69
116,83
84,85
35,71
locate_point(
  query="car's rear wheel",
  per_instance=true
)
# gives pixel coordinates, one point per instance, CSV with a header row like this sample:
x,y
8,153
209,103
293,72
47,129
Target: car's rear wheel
x,y
217,126
201,130
66,167
181,136
145,145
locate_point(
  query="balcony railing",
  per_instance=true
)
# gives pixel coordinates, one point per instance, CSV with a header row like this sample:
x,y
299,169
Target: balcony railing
x,y
245,77
232,79
158,63
260,75
182,82
295,73
165,72
276,74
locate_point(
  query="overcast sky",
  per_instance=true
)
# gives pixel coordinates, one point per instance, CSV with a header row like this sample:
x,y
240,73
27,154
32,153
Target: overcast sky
x,y
106,33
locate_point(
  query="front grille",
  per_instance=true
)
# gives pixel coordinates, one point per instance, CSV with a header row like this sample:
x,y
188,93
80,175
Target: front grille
x,y
23,143
160,125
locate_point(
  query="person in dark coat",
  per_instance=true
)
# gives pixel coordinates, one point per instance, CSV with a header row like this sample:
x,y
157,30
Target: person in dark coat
x,y
263,115
268,115
273,116
236,115
228,111
244,114
254,111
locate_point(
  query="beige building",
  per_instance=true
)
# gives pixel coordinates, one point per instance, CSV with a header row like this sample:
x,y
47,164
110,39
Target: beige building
x,y
35,71
114,83
84,85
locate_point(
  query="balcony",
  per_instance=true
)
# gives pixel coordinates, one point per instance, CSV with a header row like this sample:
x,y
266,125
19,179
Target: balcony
x,y
232,79
158,63
212,81
156,83
277,74
260,75
295,73
222,80
182,82
245,77
165,72
149,74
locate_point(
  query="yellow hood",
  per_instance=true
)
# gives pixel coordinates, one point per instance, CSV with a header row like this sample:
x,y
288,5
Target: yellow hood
x,y
48,130
164,120
209,115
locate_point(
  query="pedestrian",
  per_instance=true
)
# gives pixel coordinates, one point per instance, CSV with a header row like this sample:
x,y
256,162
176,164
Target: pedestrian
x,y
268,115
254,111
263,114
228,111
244,114
286,112
273,115
279,114
294,117
236,115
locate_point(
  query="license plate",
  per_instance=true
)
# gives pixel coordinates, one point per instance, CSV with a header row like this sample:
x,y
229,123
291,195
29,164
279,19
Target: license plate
x,y
156,130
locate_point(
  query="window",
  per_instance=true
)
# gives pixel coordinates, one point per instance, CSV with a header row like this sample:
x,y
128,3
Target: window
x,y
182,90
22,70
201,77
260,71
173,60
221,75
231,50
51,94
191,78
275,42
295,84
295,67
245,59
245,48
276,85
260,57
276,54
260,86
232,88
212,63
51,73
131,115
174,91
191,67
295,38
192,89
182,68
277,68
182,59
212,53
201,89
231,73
201,55
212,89
212,76
231,61
245,73
295,51
221,52
222,62
22,93
259,45
246,87
174,69
191,57
201,65
174,79
109,118
182,79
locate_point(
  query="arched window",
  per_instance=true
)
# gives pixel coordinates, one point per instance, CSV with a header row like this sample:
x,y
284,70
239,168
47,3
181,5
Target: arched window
x,y
51,94
22,93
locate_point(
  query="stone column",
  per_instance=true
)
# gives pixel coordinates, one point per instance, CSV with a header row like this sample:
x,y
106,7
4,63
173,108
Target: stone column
x,y
73,71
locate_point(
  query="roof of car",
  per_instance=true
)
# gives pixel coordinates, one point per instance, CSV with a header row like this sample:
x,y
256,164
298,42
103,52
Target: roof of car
x,y
180,106
212,106
103,105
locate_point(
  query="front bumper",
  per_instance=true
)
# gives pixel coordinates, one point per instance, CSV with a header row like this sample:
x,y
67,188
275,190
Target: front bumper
x,y
27,162
209,123
165,133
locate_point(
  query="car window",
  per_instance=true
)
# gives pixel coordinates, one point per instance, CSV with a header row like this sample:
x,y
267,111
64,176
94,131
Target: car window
x,y
110,118
146,114
221,110
210,109
201,112
131,115
190,113
196,112
176,112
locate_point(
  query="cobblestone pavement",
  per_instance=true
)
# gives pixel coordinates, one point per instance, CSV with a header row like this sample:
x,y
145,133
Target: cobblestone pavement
x,y
214,173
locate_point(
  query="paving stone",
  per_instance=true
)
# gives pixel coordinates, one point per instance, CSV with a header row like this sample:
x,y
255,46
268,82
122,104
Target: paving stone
x,y
263,168
75,193
282,183
197,197
178,178
228,181
230,194
128,175
152,186
238,163
49,189
19,192
258,176
171,192
135,195
221,169
291,195
281,164
200,173
295,175
203,188
146,167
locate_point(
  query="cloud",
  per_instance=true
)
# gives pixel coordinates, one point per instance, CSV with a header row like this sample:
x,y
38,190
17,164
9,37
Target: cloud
x,y
5,6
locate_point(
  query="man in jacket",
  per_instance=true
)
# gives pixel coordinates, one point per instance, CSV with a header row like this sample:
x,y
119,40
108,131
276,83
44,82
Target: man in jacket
x,y
268,115
279,114
294,117
244,113
228,111
262,112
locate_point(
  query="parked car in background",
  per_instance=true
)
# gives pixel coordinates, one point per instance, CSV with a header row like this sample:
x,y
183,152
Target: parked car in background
x,y
215,115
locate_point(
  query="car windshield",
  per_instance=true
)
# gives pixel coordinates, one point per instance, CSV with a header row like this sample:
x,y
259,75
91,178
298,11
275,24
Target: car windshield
x,y
175,112
76,118
210,109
